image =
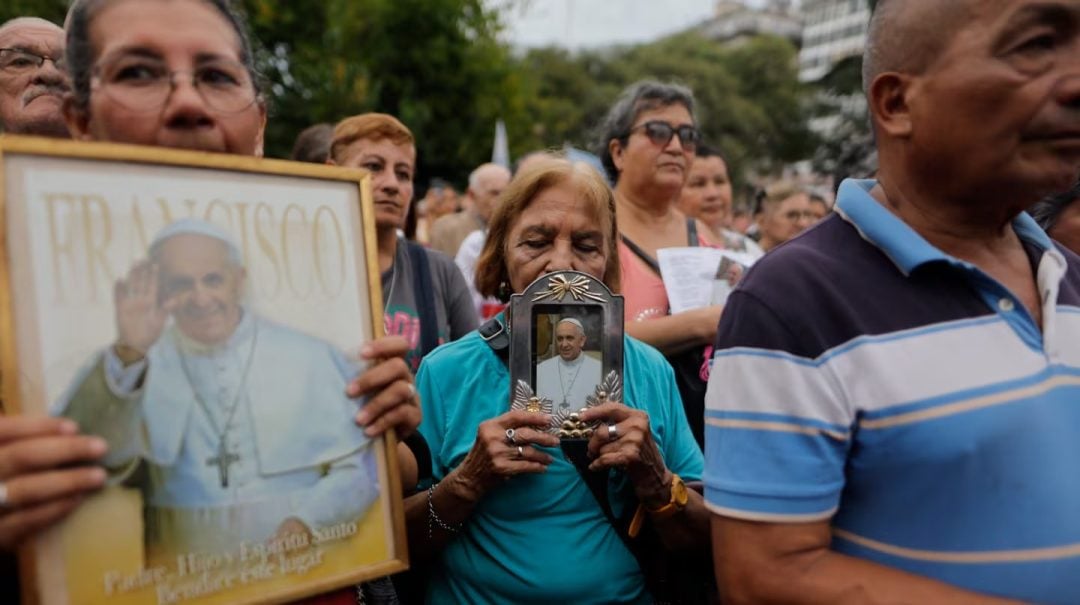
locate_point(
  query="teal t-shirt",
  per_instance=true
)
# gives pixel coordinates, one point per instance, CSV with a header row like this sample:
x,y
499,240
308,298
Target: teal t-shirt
x,y
540,538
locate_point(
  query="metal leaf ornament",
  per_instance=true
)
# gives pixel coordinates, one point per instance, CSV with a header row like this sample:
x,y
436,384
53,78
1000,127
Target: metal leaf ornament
x,y
577,287
527,401
609,390
568,425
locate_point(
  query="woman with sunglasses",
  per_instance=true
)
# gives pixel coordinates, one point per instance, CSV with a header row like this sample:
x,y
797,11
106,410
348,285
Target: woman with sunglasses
x,y
648,144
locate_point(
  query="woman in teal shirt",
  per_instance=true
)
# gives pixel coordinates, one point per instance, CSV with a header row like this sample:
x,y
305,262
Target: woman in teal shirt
x,y
510,524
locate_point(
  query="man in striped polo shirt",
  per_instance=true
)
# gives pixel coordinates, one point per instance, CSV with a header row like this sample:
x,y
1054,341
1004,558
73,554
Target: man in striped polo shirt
x,y
894,407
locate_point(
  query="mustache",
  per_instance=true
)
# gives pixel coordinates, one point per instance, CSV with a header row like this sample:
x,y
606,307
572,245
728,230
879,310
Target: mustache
x,y
57,89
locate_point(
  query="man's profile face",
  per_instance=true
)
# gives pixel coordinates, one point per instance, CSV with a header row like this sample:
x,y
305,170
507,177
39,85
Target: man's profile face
x,y
490,185
202,285
569,340
999,109
31,96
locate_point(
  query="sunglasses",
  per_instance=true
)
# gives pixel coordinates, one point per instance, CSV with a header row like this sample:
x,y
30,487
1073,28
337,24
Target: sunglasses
x,y
660,133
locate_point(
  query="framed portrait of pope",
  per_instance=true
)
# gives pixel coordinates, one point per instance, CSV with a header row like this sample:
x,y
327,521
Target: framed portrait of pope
x,y
203,315
566,350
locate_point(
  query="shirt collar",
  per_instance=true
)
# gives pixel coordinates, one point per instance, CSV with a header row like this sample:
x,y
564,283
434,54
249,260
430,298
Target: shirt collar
x,y
907,249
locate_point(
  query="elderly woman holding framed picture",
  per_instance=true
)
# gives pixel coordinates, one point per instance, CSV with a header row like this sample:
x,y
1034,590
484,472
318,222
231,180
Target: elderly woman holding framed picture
x,y
510,519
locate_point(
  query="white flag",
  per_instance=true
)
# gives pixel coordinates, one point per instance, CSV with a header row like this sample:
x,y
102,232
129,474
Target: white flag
x,y
500,154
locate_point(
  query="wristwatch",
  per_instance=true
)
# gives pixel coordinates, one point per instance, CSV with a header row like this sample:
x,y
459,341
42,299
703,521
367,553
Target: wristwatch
x,y
679,497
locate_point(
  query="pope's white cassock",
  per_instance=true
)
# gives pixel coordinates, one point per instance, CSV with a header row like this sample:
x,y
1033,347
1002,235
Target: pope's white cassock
x,y
290,449
568,381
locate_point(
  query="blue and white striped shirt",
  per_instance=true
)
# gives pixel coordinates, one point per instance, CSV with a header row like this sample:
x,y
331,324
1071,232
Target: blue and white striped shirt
x,y
864,376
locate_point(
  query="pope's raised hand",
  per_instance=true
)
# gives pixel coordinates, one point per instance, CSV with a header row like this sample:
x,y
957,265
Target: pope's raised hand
x,y
140,315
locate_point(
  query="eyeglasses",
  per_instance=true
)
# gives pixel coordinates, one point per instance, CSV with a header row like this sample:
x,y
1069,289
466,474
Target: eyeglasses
x,y
141,84
17,60
660,133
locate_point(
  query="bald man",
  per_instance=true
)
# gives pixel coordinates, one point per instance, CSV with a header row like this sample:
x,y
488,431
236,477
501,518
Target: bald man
x,y
906,428
32,79
485,185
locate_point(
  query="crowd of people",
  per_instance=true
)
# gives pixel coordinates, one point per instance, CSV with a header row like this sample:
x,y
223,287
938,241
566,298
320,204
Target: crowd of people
x,y
883,410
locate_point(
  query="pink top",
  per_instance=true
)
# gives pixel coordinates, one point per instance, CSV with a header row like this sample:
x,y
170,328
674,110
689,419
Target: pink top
x,y
643,291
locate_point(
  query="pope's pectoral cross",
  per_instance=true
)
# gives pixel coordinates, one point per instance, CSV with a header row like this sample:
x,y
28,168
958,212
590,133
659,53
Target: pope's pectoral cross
x,y
223,460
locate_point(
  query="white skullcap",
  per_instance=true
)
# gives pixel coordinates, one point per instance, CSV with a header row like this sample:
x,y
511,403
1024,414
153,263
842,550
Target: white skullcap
x,y
573,320
194,226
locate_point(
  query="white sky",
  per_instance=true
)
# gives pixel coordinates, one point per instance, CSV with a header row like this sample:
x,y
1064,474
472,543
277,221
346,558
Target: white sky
x,y
577,24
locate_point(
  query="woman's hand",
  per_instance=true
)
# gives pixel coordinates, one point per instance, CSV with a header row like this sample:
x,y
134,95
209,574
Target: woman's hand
x,y
705,321
45,473
629,446
388,384
496,457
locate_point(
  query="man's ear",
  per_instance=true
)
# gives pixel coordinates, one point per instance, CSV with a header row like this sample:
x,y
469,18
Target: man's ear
x,y
888,100
77,120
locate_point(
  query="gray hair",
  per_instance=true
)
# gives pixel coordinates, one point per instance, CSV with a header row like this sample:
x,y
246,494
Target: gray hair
x,y
474,176
872,59
639,97
80,54
16,21
1047,210
907,36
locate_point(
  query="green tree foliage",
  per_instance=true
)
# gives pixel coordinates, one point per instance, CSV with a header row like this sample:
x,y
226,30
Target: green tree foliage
x,y
438,65
435,64
750,103
847,146
441,67
53,10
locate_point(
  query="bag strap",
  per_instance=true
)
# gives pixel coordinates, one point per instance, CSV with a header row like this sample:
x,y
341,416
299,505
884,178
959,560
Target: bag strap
x,y
495,335
649,261
691,233
424,294
645,257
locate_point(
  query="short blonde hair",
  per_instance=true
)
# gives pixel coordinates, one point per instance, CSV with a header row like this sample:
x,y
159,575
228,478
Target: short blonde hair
x,y
777,192
373,126
542,174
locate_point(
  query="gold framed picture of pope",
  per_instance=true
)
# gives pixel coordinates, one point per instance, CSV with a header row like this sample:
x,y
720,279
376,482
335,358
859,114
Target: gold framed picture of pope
x,y
203,314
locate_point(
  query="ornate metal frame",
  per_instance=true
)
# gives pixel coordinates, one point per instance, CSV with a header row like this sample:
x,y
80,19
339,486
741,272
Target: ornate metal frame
x,y
571,290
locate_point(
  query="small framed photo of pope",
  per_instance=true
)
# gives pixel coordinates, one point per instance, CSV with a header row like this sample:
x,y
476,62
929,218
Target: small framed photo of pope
x,y
566,349
203,314
568,357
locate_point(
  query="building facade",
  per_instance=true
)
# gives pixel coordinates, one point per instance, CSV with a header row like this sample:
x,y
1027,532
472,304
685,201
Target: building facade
x,y
735,22
832,30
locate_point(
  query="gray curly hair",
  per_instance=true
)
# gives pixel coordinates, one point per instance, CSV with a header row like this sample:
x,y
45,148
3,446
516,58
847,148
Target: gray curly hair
x,y
639,97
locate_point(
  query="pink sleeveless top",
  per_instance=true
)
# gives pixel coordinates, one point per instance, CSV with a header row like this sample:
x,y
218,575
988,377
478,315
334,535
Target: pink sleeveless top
x,y
642,289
